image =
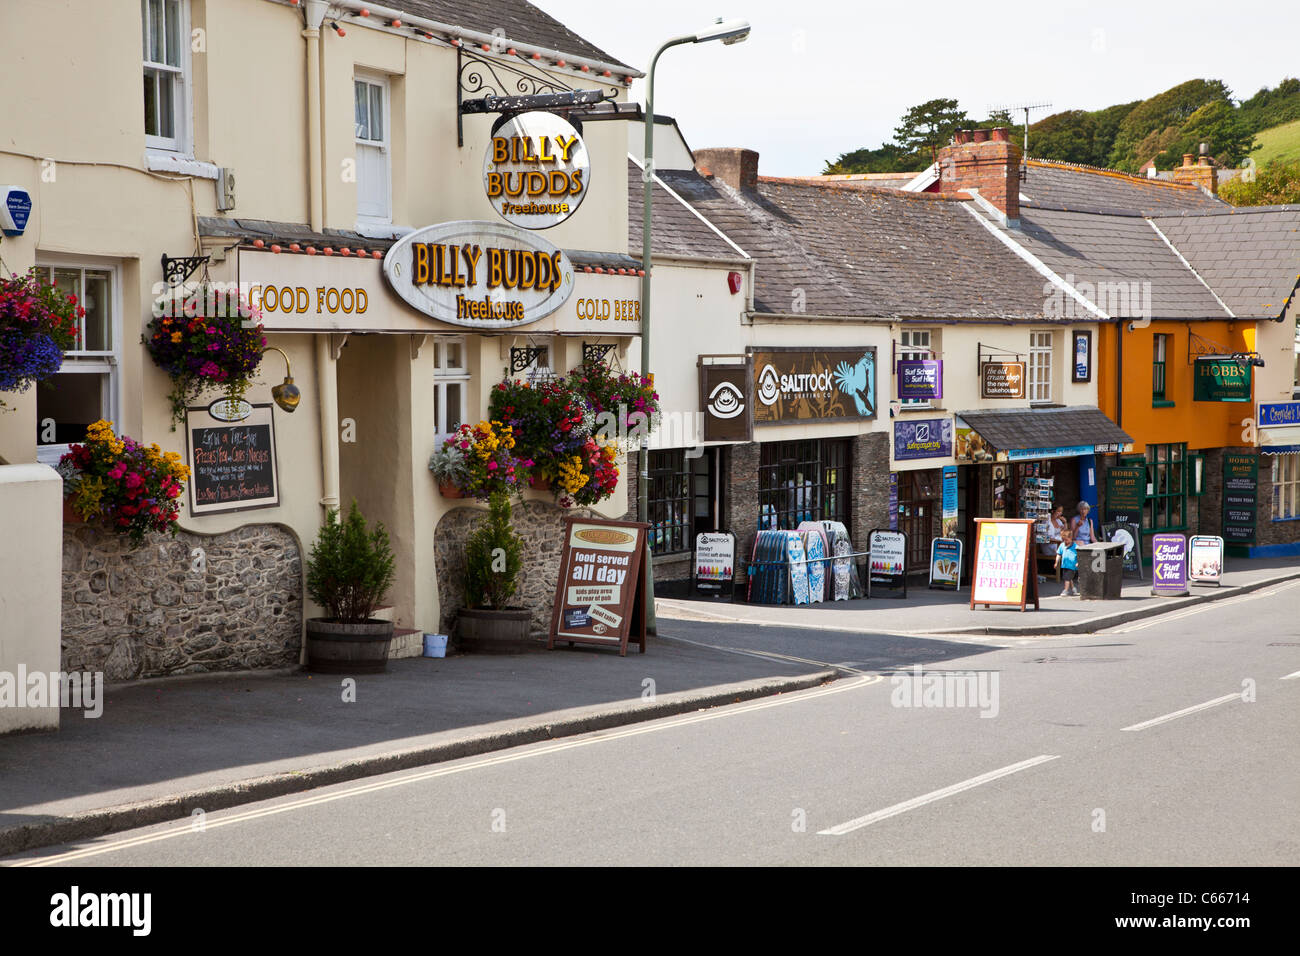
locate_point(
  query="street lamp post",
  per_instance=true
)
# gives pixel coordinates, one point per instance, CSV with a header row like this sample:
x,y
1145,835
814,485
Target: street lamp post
x,y
729,32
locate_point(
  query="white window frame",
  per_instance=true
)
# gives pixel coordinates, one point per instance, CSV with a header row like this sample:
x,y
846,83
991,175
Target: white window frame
x,y
911,350
182,76
444,374
384,144
1286,487
1040,387
77,361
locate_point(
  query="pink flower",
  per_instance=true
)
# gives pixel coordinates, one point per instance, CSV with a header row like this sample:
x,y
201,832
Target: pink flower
x,y
492,466
117,471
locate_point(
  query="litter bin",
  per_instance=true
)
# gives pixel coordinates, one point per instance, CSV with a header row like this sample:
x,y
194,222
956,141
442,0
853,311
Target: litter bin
x,y
1103,584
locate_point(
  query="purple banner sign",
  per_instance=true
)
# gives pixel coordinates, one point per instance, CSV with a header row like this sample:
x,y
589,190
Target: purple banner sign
x,y
920,378
922,438
1169,565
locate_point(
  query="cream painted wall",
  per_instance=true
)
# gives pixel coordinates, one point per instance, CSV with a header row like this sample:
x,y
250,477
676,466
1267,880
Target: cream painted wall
x,y
1275,343
31,582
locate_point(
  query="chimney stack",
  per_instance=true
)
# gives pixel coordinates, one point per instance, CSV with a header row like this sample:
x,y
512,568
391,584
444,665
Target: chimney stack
x,y
736,167
986,161
1199,171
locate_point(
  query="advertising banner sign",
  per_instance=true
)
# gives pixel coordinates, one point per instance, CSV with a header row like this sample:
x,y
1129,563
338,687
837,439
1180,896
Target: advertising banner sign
x,y
920,378
1278,414
715,560
1220,380
726,398
922,438
945,564
887,561
1168,565
536,170
1206,562
810,385
1240,494
951,509
1002,379
600,590
1004,571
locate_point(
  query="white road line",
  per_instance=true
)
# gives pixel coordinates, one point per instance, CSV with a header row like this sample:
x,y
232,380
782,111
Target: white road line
x,y
1200,608
1184,712
934,795
1291,676
184,828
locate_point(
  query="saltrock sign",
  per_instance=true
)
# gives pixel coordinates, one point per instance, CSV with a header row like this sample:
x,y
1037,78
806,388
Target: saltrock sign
x,y
483,275
806,385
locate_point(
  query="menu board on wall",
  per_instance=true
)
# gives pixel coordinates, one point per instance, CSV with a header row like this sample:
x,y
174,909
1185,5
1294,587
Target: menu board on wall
x,y
1240,478
1004,570
1125,493
600,591
233,464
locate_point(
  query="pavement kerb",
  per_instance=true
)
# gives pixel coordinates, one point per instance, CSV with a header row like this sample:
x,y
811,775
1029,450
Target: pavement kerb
x,y
1093,624
95,823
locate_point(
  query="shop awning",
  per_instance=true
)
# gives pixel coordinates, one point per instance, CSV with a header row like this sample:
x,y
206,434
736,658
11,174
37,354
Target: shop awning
x,y
1280,441
1027,433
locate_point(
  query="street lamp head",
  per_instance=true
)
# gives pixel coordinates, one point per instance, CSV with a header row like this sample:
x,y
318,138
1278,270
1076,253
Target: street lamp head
x,y
728,31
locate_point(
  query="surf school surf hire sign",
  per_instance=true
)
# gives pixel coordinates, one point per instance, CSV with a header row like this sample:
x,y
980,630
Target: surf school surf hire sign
x,y
536,170
482,275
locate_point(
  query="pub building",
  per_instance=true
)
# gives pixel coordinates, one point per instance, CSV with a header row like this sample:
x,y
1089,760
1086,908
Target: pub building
x,y
396,282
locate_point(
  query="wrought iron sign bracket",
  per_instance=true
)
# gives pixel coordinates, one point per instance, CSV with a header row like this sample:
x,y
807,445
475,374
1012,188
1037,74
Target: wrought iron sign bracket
x,y
513,84
521,359
594,353
1200,347
984,353
176,269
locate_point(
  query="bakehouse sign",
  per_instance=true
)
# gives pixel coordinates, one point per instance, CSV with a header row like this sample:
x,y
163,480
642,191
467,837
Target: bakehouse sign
x,y
482,275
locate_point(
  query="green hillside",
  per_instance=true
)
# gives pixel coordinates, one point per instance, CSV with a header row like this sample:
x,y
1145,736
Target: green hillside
x,y
1281,143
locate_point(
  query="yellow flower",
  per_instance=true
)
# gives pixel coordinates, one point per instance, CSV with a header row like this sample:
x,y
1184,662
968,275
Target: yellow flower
x,y
176,336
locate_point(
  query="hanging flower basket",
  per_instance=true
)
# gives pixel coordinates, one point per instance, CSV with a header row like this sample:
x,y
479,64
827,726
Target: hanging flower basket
x,y
205,339
38,323
478,460
122,485
449,490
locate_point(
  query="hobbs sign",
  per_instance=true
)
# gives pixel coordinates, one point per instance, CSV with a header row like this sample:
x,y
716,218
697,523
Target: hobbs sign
x,y
483,275
536,170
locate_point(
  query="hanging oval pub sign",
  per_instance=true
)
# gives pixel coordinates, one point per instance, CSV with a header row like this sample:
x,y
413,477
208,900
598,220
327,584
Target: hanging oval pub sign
x,y
483,275
536,170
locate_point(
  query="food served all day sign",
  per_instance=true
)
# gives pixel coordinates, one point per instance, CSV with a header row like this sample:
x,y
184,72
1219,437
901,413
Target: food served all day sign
x,y
600,591
536,170
1004,571
483,275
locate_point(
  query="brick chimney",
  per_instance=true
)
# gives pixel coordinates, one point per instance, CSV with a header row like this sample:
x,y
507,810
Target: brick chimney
x,y
736,167
1201,174
991,166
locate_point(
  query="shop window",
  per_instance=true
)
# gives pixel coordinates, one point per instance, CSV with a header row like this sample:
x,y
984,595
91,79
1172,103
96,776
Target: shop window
x,y
803,481
1286,487
671,505
1166,508
85,388
1040,367
166,35
374,180
450,385
1158,369
914,346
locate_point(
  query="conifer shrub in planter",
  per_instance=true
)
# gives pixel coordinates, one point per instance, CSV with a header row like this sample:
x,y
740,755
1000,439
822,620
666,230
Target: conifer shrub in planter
x,y
348,572
493,560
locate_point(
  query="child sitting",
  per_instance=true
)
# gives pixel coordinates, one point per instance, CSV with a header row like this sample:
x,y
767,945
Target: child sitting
x,y
1067,559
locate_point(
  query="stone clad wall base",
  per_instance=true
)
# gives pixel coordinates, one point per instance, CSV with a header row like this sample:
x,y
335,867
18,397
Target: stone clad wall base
x,y
156,609
539,523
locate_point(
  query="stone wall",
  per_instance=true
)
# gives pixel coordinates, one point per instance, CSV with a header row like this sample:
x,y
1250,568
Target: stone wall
x,y
539,523
155,609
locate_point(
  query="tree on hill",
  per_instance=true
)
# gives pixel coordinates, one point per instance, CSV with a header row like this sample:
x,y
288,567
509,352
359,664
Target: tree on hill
x,y
889,158
1219,126
1269,108
1159,114
1274,185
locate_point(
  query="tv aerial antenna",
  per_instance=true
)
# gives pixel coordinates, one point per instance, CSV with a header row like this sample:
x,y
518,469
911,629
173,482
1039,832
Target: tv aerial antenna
x,y
1025,108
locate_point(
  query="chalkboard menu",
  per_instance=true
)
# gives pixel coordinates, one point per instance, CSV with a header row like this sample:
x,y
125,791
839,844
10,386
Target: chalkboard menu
x,y
233,463
1240,479
1125,493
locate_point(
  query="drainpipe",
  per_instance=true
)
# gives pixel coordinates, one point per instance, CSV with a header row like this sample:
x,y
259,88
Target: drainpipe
x,y
326,367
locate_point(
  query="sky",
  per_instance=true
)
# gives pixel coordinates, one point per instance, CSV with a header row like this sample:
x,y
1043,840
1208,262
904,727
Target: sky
x,y
806,87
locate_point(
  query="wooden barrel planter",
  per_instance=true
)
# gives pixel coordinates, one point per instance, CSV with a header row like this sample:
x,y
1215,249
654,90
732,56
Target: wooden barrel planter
x,y
496,631
337,648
